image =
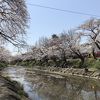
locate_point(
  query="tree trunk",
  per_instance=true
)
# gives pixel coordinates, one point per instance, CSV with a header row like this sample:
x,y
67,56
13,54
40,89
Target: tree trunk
x,y
93,53
81,57
82,61
98,46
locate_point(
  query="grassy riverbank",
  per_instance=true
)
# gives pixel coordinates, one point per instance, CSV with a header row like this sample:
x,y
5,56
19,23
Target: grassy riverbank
x,y
90,69
70,63
3,65
11,90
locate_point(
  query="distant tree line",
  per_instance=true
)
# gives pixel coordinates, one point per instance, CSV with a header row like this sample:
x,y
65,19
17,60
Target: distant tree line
x,y
67,48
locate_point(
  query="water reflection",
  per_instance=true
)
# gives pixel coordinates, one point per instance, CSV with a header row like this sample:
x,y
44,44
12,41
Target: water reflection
x,y
45,87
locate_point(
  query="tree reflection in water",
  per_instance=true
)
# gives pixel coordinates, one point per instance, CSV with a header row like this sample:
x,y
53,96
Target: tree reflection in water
x,y
69,88
43,86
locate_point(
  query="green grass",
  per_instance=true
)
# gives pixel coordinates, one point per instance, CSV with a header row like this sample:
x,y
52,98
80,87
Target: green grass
x,y
3,65
75,63
92,63
89,63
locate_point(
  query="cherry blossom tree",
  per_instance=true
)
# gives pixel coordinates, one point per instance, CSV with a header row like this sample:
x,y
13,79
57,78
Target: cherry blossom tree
x,y
13,21
91,29
72,41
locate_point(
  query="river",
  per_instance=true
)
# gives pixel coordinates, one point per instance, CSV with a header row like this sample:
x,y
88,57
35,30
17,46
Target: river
x,y
41,86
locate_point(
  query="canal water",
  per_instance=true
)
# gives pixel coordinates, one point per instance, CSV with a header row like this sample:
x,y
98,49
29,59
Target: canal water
x,y
41,86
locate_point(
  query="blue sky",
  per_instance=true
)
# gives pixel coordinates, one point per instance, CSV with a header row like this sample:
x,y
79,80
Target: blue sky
x,y
44,22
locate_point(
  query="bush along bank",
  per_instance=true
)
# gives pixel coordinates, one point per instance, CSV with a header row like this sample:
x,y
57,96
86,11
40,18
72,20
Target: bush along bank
x,y
69,63
46,63
3,64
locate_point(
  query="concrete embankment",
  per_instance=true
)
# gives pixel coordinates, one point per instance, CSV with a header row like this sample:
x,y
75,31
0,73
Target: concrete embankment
x,y
11,90
94,74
